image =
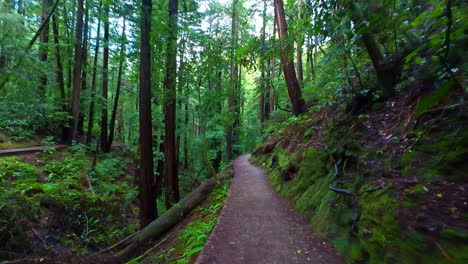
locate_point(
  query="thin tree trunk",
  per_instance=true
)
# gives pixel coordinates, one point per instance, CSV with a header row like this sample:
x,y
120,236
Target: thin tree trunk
x,y
148,209
117,92
292,83
233,84
105,79
170,155
75,105
44,40
59,72
299,43
272,70
263,86
84,74
89,131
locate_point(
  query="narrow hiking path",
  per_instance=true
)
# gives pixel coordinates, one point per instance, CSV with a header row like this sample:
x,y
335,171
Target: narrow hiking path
x,y
257,226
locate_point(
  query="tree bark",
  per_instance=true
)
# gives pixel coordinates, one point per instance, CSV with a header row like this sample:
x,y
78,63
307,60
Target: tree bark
x,y
272,69
170,163
148,209
233,84
299,43
117,92
263,86
292,83
84,73
169,219
89,132
44,40
59,72
75,104
105,80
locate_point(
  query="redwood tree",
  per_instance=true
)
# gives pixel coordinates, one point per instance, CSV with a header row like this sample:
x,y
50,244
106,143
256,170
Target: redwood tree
x,y
75,104
294,90
105,79
89,131
148,209
170,155
117,90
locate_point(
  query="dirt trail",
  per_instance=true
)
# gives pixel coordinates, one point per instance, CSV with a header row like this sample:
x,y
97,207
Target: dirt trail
x,y
257,226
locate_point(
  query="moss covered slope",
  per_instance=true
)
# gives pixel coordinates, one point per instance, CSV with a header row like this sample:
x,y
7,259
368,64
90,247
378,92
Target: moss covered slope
x,y
417,164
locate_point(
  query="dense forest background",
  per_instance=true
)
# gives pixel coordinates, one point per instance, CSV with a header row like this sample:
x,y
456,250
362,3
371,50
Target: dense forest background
x,y
170,92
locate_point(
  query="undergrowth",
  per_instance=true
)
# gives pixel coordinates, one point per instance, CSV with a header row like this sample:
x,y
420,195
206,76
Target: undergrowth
x,y
50,201
192,238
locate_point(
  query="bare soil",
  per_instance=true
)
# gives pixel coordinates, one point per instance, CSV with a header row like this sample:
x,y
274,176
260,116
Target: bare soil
x,y
257,226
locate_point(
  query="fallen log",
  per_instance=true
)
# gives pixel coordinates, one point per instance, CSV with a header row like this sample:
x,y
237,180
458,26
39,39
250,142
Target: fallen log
x,y
166,221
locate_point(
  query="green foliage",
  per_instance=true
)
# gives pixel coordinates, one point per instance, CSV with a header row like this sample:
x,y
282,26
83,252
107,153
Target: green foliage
x,y
56,190
433,98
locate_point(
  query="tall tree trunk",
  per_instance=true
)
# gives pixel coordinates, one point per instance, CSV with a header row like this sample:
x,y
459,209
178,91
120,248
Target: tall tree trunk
x,y
89,132
69,53
117,90
263,86
44,40
294,89
59,72
272,70
148,209
170,155
238,106
75,104
105,79
310,57
180,120
84,74
233,84
299,43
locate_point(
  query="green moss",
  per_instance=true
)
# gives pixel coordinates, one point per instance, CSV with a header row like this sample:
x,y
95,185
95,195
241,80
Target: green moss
x,y
378,225
442,157
414,196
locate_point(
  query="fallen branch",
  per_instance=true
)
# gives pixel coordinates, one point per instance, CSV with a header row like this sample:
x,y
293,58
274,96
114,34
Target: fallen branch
x,y
169,219
442,250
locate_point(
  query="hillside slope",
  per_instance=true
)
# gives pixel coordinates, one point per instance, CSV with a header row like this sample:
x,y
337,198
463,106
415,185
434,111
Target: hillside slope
x,y
397,172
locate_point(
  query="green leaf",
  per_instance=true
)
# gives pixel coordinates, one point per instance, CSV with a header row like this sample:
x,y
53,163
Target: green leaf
x,y
433,98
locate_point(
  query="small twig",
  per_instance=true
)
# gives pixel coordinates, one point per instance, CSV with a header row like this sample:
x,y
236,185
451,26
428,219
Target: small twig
x,y
444,108
442,250
15,261
176,258
40,238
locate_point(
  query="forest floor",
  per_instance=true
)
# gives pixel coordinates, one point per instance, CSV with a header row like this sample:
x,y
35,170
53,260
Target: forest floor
x,y
258,226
